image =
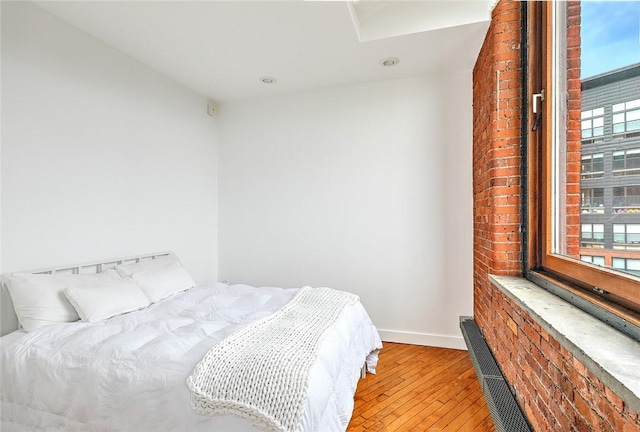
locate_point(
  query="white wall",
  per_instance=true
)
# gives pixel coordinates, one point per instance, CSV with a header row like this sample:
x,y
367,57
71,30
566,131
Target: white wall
x,y
101,156
365,188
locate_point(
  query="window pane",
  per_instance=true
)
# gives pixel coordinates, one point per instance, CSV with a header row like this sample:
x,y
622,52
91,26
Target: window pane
x,y
633,161
633,104
631,115
618,263
633,264
633,238
618,162
633,228
598,197
594,184
633,195
598,164
619,197
618,118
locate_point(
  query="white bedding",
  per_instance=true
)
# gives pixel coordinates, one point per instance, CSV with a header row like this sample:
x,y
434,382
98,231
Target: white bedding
x,y
128,373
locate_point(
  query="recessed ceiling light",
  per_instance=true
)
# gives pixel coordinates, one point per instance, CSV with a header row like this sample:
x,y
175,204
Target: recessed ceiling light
x,y
268,80
391,61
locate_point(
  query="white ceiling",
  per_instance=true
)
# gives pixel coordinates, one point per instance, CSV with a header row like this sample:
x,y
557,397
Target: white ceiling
x,y
220,49
378,19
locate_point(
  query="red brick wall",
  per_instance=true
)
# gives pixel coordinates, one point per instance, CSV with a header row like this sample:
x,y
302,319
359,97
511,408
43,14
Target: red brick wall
x,y
574,100
555,390
496,153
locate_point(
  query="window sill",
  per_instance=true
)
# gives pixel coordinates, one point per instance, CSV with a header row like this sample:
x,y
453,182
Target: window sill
x,y
608,354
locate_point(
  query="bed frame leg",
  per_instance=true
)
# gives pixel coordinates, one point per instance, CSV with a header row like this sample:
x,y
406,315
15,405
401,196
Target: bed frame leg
x,y
363,371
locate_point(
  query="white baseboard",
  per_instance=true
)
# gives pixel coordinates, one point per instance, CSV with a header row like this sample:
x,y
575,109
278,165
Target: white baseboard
x,y
454,342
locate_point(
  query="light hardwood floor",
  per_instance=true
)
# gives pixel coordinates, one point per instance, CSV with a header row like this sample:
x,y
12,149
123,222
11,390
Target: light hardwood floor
x,y
421,388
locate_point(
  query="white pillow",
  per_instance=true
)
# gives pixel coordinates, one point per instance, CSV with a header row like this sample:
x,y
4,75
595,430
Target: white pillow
x,y
39,299
160,283
128,270
97,302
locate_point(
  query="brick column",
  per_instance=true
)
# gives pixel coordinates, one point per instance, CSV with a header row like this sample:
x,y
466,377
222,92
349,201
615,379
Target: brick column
x,y
496,152
574,98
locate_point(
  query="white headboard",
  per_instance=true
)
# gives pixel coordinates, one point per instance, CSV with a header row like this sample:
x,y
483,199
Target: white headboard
x,y
8,319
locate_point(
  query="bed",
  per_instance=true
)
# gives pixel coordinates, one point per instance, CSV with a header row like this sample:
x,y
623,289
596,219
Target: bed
x,y
134,371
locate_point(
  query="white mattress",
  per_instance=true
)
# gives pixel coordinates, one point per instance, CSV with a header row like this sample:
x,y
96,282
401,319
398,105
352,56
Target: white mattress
x,y
129,373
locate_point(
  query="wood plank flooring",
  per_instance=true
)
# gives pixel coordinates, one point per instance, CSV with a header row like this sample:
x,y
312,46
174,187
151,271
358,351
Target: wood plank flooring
x,y
420,388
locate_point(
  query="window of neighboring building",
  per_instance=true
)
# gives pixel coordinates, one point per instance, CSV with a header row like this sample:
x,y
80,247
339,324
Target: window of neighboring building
x,y
626,236
626,162
593,165
626,116
592,123
592,236
626,199
627,265
592,200
593,259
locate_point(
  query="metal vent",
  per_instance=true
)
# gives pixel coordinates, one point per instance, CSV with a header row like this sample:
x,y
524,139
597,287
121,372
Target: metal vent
x,y
506,414
504,409
483,361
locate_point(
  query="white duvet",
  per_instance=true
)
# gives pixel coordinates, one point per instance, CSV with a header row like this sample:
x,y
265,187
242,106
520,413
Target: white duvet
x,y
129,373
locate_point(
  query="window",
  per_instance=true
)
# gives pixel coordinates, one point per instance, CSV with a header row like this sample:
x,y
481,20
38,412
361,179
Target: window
x,y
626,199
626,116
626,236
593,166
580,194
592,200
627,265
594,259
592,236
592,123
626,162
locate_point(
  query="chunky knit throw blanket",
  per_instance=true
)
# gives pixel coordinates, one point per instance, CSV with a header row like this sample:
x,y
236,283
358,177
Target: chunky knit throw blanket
x,y
261,371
